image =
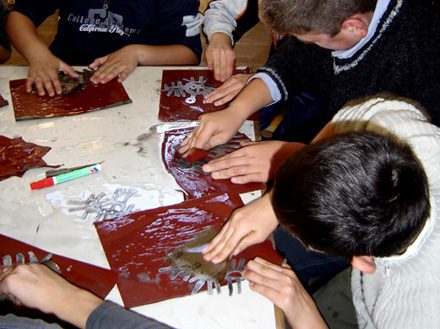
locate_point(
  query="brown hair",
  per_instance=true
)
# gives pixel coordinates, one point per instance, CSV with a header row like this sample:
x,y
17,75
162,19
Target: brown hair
x,y
302,16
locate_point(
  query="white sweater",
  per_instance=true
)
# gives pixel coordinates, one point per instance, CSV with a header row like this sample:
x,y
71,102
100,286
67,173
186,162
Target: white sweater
x,y
404,291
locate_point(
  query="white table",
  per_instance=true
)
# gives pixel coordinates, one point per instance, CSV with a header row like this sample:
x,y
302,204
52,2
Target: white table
x,y
42,217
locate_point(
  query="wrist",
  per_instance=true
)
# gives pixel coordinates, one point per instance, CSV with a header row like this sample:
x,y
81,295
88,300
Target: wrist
x,y
36,52
306,315
221,37
77,307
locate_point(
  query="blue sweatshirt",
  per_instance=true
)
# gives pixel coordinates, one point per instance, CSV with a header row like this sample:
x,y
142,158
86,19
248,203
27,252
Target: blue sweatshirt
x,y
91,29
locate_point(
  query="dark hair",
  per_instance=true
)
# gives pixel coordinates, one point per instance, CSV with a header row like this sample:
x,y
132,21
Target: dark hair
x,y
302,16
353,194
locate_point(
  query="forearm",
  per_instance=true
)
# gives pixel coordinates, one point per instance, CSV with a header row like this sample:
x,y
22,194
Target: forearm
x,y
77,307
306,316
23,35
165,55
220,38
251,99
4,54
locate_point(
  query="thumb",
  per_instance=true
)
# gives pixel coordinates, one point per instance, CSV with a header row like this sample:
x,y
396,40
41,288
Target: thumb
x,y
98,62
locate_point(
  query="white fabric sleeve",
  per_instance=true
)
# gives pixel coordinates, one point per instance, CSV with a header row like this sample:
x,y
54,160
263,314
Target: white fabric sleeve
x,y
221,16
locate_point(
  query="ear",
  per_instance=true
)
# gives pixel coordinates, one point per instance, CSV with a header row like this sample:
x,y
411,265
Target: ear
x,y
355,26
364,264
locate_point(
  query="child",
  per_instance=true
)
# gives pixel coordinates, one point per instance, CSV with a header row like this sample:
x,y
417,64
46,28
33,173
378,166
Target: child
x,y
366,190
112,37
224,24
339,51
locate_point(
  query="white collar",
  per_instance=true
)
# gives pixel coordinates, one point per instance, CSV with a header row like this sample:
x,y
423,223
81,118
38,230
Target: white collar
x,y
380,9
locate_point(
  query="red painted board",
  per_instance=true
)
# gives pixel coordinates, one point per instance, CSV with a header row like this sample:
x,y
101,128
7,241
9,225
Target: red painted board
x,y
190,176
136,245
98,280
173,104
89,98
17,156
195,154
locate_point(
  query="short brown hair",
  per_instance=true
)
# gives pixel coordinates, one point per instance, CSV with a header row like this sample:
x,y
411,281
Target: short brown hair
x,y
302,16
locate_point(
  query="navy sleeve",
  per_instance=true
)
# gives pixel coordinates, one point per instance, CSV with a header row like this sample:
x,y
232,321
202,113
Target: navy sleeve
x,y
109,315
37,11
296,67
180,23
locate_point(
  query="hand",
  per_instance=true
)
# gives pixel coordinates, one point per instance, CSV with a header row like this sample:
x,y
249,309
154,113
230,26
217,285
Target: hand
x,y
220,56
254,162
218,127
280,285
37,286
247,226
214,129
120,63
228,90
43,73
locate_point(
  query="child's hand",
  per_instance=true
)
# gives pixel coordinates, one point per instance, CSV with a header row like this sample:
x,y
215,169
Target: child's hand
x,y
43,74
220,56
37,286
228,90
247,226
254,162
118,64
214,129
280,285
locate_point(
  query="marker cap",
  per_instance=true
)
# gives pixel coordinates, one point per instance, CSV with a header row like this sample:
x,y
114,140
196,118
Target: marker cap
x,y
42,183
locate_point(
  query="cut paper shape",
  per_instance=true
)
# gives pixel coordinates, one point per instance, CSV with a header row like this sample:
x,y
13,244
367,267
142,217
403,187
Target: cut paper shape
x,y
137,245
182,94
190,176
96,279
88,98
17,156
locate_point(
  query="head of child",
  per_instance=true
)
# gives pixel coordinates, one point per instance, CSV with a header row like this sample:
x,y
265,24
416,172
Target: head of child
x,y
357,195
330,24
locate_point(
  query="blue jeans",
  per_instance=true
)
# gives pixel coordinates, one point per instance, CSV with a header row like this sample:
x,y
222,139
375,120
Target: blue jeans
x,y
312,268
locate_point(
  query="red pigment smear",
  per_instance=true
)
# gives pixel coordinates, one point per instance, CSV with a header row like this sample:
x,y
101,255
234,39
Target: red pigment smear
x,y
89,98
174,108
190,176
196,154
3,102
17,156
98,280
136,246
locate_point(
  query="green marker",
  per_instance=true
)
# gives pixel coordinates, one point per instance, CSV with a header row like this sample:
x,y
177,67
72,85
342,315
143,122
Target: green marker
x,y
50,181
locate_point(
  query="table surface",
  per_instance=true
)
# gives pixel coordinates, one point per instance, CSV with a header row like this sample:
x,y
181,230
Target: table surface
x,y
126,138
